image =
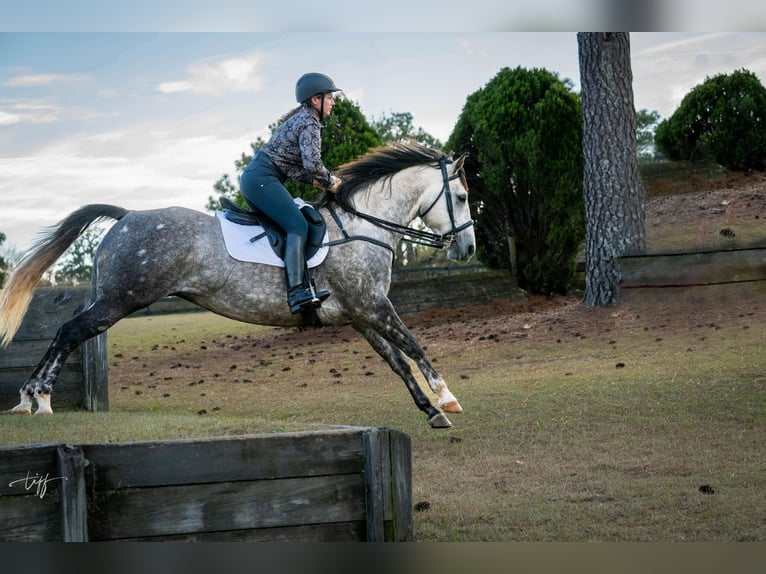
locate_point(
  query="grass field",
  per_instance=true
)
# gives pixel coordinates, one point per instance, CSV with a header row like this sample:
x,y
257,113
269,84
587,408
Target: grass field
x,y
645,421
639,423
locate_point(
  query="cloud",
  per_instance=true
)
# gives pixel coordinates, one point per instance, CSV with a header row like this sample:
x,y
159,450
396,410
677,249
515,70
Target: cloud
x,y
18,113
141,166
236,74
34,80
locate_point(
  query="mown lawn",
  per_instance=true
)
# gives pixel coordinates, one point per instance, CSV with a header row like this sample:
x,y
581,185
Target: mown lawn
x,y
643,422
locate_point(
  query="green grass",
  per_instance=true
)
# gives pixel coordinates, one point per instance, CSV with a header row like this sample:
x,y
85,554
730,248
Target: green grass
x,y
557,443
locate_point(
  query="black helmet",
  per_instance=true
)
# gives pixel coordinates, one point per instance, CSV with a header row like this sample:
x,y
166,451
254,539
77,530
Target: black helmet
x,y
313,83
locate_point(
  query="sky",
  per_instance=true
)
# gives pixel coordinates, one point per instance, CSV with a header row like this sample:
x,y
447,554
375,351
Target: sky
x,y
152,119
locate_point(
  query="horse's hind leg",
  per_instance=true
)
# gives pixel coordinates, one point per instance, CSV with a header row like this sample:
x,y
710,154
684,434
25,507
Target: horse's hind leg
x,y
398,363
89,323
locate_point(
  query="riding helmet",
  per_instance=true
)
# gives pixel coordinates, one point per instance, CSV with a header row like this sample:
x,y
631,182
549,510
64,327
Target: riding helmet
x,y
313,83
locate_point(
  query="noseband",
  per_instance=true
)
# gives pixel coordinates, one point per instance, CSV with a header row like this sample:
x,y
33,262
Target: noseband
x,y
449,238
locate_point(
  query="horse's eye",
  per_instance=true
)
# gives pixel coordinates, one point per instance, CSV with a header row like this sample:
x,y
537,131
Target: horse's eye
x,y
462,197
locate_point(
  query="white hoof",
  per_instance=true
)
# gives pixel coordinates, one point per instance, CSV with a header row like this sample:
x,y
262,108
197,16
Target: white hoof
x,y
439,421
22,409
448,403
43,404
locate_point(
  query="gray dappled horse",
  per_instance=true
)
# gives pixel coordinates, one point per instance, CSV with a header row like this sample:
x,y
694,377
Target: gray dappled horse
x,y
147,255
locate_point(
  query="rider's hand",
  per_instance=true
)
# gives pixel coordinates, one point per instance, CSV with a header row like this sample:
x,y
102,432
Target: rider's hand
x,y
333,187
334,184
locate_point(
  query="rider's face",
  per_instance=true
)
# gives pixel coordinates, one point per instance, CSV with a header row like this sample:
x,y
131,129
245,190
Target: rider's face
x,y
329,102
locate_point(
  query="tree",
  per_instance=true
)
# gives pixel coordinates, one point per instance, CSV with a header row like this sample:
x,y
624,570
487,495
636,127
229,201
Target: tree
x,y
646,125
724,117
613,192
399,127
76,265
346,135
523,132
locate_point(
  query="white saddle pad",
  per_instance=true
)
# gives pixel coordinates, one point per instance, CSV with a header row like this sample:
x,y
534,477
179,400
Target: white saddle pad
x,y
237,239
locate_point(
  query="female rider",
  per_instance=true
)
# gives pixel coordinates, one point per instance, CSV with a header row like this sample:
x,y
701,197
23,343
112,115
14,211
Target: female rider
x,y
293,152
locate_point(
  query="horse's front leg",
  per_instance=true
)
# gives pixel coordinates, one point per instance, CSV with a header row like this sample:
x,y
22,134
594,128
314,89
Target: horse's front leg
x,y
384,321
409,345
398,363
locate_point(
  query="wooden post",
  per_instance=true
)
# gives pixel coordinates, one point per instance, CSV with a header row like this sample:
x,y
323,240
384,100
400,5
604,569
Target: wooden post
x,y
74,504
401,487
373,485
95,372
512,256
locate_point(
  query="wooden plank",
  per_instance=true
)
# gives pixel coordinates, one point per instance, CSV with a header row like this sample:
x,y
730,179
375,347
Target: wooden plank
x,y
26,354
18,463
11,380
49,309
400,482
28,500
190,461
95,372
30,518
217,507
74,510
353,531
416,295
699,268
373,484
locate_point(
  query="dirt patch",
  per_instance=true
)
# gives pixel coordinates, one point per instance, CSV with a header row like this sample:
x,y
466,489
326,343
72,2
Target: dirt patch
x,y
728,216
739,204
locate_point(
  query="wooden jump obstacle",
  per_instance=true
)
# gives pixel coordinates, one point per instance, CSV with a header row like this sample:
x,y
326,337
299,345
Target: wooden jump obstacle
x,y
83,381
336,485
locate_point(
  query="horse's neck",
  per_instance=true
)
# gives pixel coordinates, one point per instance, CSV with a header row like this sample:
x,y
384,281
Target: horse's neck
x,y
395,200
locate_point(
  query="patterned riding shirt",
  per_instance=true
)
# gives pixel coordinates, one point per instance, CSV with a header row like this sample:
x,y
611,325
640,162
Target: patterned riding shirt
x,y
295,148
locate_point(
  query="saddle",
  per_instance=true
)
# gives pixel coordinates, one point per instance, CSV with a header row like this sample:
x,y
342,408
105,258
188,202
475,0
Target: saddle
x,y
275,234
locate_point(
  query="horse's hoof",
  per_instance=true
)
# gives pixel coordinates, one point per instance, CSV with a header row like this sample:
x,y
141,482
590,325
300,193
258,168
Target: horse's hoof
x,y
452,407
43,403
21,410
439,421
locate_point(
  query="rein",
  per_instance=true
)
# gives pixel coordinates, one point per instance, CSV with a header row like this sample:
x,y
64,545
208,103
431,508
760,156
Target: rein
x,y
416,236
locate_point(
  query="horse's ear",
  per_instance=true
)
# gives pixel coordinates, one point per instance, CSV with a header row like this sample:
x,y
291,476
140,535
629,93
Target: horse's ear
x,y
459,170
459,164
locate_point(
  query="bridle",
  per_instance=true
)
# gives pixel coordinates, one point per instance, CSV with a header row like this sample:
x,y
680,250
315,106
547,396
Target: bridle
x,y
449,238
417,236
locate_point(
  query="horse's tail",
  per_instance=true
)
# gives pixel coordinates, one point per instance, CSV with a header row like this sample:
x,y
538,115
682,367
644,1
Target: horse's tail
x,y
18,292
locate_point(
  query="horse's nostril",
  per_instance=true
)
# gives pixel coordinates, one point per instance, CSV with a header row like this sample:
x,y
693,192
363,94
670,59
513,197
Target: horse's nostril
x,y
471,250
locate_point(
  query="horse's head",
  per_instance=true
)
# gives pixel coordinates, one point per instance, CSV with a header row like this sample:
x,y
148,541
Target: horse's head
x,y
445,210
433,188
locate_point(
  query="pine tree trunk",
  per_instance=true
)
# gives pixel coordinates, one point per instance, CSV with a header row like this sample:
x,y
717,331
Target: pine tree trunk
x,y
613,192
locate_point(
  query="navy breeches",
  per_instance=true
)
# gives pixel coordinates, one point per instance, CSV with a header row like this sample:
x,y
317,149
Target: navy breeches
x,y
262,186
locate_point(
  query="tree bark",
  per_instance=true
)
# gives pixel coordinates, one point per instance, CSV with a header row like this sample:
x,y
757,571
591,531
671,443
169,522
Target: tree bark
x,y
613,193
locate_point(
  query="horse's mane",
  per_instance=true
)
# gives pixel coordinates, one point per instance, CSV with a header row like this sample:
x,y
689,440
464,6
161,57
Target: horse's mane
x,y
381,163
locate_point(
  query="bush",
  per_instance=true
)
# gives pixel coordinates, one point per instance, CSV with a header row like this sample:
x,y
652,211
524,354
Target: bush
x,y
523,132
723,118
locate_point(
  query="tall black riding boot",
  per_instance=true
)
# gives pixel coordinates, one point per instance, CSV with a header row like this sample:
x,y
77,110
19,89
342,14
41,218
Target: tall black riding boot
x,y
299,294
